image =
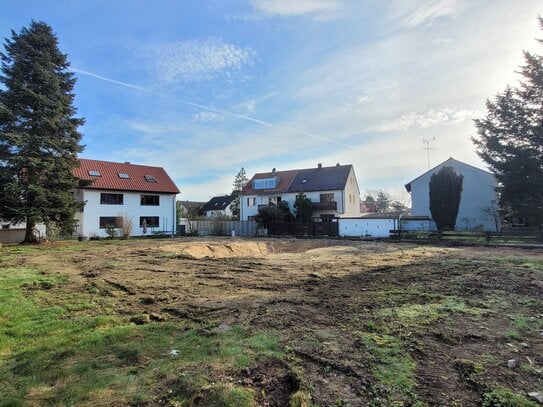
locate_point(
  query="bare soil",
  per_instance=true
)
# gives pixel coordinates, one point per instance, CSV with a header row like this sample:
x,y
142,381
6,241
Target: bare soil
x,y
321,296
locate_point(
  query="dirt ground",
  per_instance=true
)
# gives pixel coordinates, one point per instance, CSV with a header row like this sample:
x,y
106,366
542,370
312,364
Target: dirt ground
x,y
362,323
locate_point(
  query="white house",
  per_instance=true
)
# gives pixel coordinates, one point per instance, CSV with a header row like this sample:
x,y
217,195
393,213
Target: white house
x,y
478,196
333,190
143,194
218,206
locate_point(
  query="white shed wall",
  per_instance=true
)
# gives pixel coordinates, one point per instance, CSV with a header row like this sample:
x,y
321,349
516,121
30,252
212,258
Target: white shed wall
x,y
360,227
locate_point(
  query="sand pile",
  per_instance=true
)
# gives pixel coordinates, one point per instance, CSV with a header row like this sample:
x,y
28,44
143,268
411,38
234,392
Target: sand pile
x,y
217,250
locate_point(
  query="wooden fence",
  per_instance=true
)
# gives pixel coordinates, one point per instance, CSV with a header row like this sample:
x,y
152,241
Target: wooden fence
x,y
12,235
304,228
505,236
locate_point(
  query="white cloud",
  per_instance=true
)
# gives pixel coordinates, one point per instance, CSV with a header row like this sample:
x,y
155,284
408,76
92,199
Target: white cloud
x,y
410,14
289,8
207,117
176,62
429,118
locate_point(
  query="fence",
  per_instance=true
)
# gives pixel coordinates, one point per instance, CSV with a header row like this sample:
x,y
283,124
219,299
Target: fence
x,y
12,235
505,236
222,227
304,228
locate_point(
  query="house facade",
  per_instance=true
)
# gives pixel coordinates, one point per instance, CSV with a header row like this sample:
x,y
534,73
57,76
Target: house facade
x,y
141,194
478,196
218,206
333,191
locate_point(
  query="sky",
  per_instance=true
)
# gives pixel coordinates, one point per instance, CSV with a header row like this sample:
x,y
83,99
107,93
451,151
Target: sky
x,y
205,87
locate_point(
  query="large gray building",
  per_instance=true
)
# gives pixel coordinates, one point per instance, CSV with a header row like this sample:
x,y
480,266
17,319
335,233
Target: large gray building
x,y
478,195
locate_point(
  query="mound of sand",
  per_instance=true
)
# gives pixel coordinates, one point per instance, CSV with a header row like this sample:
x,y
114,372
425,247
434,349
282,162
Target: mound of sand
x,y
217,250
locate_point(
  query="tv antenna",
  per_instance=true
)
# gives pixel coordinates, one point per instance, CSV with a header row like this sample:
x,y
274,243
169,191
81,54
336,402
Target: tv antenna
x,y
427,142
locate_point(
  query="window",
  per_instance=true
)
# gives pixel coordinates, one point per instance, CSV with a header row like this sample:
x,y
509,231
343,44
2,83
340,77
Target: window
x,y
111,199
251,201
326,197
327,218
123,175
109,222
5,226
273,201
149,200
265,183
93,173
150,178
150,221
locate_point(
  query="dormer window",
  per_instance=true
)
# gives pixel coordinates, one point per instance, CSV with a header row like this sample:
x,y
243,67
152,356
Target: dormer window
x,y
123,175
150,178
94,173
265,183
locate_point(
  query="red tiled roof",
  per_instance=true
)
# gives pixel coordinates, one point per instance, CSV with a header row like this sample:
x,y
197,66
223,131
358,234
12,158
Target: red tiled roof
x,y
109,177
285,178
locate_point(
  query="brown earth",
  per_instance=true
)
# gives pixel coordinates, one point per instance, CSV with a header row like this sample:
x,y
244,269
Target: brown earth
x,y
322,297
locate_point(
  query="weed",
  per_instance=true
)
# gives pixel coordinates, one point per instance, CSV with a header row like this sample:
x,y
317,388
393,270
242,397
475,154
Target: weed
x,y
503,397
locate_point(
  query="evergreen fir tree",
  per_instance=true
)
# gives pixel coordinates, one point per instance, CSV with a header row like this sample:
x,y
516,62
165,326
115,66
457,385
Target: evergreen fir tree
x,y
39,141
239,182
510,141
445,195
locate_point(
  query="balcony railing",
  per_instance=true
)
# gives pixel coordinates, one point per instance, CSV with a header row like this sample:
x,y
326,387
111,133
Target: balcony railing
x,y
325,206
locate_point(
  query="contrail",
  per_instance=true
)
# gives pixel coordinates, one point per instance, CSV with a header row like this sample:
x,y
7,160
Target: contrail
x,y
212,109
128,85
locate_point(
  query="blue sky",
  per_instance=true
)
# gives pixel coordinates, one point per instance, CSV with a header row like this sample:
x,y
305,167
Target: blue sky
x,y
203,88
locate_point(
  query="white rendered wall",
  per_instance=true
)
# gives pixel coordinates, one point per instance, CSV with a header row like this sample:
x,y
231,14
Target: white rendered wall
x,y
352,206
478,191
360,227
247,211
89,219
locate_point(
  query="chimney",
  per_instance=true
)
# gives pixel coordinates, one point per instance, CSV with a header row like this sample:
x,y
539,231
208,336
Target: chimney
x,y
273,170
319,166
127,162
337,165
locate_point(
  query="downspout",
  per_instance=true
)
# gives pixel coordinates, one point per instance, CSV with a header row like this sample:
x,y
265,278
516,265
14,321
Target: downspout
x,y
343,201
174,221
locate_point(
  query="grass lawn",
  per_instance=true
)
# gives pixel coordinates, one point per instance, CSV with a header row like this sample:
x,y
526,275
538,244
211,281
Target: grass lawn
x,y
269,322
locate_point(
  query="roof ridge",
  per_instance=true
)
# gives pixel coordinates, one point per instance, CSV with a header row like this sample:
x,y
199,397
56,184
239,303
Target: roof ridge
x,y
121,163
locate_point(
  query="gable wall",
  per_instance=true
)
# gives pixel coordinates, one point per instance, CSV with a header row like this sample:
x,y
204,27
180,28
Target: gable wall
x,y
478,191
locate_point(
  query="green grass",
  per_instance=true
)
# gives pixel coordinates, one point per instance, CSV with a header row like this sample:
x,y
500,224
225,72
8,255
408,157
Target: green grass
x,y
522,324
412,315
393,366
527,263
503,397
52,355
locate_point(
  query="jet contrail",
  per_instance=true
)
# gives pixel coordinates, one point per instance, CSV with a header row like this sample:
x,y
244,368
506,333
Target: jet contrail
x,y
211,109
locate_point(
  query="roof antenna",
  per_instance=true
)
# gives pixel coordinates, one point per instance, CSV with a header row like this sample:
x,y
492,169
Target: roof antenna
x,y
427,141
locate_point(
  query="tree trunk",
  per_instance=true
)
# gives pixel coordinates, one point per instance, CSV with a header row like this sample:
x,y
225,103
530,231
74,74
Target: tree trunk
x,y
29,233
